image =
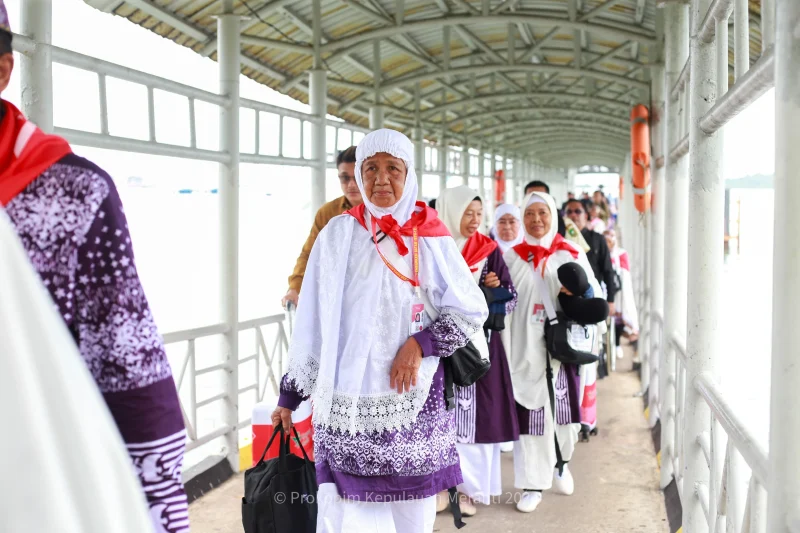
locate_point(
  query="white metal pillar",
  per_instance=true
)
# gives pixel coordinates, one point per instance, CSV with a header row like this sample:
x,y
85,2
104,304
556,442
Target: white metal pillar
x,y
376,111
36,21
656,258
443,161
706,257
229,72
376,117
318,93
465,161
676,19
487,204
419,158
493,169
784,478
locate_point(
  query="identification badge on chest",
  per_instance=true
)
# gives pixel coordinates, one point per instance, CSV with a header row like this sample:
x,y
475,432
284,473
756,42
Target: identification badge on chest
x,y
539,314
418,316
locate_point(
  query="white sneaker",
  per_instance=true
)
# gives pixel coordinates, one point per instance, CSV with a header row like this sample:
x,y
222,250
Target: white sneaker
x,y
563,484
506,447
529,502
620,353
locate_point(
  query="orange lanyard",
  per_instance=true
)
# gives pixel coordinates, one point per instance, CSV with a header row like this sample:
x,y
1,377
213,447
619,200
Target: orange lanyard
x,y
415,255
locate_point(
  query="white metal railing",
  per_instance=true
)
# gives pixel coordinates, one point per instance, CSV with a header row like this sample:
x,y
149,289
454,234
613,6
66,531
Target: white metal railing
x,y
735,498
704,440
263,113
268,370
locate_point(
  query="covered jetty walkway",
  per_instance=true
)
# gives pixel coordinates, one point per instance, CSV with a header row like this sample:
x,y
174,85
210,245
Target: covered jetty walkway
x,y
499,92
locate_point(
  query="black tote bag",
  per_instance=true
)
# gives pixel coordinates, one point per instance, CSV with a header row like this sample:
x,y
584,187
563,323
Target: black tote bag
x,y
280,494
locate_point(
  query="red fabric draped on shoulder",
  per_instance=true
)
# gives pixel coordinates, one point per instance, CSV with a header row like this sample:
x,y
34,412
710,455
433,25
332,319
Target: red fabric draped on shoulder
x,y
425,219
524,250
25,152
477,248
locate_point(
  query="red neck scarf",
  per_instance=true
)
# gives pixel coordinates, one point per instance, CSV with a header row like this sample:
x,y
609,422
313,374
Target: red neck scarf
x,y
25,152
425,219
526,250
477,248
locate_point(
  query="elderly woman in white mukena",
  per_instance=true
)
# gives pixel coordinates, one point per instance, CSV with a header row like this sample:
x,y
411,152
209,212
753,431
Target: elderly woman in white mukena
x,y
386,295
540,254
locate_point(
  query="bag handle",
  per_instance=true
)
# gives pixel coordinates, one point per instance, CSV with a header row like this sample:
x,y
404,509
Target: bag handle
x,y
541,286
285,442
278,428
551,315
560,462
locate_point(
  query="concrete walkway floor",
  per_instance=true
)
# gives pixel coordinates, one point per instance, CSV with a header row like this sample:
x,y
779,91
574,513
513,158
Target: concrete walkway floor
x,y
616,481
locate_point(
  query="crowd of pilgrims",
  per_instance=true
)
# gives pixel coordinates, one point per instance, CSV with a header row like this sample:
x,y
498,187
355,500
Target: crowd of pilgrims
x,y
388,444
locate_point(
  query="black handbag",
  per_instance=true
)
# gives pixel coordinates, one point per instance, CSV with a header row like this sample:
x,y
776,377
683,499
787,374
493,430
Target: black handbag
x,y
280,494
463,368
565,339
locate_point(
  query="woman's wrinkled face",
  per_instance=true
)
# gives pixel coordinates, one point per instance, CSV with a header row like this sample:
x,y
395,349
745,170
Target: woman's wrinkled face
x,y
507,228
471,219
384,177
538,220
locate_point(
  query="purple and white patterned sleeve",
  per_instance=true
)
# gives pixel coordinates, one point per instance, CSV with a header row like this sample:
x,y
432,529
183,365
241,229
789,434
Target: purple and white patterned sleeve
x,y
446,335
118,338
290,397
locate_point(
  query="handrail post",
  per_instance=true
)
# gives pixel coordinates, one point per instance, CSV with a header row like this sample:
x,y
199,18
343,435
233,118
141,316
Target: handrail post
x,y
706,254
229,71
677,220
656,257
36,22
784,461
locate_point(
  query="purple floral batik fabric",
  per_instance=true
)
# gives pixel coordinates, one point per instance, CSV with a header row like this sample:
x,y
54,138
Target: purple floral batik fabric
x,y
409,463
71,223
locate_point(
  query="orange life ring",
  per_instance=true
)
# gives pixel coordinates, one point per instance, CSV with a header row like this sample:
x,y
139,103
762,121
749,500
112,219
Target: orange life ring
x,y
640,157
499,187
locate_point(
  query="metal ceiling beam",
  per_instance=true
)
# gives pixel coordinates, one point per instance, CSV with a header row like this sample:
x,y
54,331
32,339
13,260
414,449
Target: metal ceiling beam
x,y
624,32
538,46
563,133
608,55
508,4
489,98
539,122
465,5
179,24
599,10
252,40
622,120
480,70
571,140
367,11
264,12
168,17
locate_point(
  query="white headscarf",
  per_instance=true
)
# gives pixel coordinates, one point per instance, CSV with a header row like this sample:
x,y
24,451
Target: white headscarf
x,y
540,197
354,312
503,210
394,143
451,205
